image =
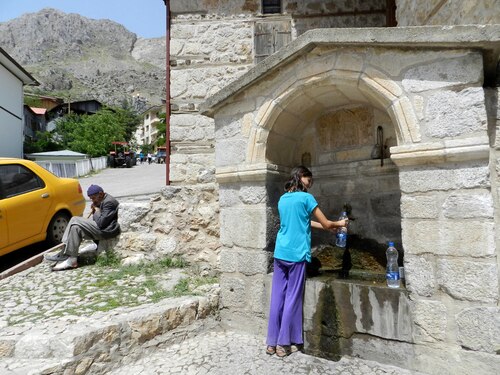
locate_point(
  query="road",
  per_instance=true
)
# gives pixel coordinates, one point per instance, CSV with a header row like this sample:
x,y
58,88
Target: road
x,y
142,179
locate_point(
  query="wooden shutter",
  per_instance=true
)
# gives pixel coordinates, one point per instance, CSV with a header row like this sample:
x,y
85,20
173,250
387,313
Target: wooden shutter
x,y
263,39
282,34
269,37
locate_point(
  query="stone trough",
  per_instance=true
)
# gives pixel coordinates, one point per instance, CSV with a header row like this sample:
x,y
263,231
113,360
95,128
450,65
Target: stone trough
x,y
346,296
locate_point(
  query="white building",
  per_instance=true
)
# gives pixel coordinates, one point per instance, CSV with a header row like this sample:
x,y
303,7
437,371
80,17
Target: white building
x,y
146,132
12,79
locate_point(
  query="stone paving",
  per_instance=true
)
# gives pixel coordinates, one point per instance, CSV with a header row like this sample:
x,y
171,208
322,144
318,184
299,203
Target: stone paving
x,y
38,294
233,353
93,320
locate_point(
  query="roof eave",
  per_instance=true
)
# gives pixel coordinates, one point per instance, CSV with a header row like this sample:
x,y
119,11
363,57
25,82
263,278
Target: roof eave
x,y
479,37
17,70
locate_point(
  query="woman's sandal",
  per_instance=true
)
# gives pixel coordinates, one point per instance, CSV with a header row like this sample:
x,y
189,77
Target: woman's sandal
x,y
282,351
270,350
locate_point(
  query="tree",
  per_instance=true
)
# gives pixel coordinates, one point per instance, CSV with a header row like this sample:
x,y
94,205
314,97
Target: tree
x,y
65,128
161,127
146,148
129,120
44,141
90,134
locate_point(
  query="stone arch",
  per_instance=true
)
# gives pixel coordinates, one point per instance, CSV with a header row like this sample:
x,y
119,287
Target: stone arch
x,y
290,111
287,132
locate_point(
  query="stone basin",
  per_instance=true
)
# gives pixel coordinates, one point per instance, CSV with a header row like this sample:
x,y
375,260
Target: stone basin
x,y
345,316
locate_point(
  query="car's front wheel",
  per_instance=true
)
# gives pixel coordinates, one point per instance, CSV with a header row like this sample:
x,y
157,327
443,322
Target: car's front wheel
x,y
57,227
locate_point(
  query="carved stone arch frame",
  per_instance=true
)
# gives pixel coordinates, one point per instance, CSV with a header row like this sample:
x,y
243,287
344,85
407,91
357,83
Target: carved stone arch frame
x,y
382,92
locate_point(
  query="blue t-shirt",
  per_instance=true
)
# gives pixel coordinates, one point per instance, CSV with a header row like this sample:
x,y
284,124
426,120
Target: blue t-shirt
x,y
293,243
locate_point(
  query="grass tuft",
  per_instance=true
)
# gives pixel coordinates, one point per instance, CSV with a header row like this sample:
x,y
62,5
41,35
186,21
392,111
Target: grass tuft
x,y
108,259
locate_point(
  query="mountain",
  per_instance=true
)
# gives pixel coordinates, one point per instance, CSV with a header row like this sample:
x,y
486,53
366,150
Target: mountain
x,y
80,58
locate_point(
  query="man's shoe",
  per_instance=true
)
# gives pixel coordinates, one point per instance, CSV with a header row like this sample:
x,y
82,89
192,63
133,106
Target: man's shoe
x,y
66,264
58,257
90,248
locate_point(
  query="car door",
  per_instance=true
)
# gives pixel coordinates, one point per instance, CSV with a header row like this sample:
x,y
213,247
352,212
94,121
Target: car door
x,y
4,238
26,202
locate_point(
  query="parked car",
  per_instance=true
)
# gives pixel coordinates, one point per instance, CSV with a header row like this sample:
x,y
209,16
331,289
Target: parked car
x,y
35,205
161,154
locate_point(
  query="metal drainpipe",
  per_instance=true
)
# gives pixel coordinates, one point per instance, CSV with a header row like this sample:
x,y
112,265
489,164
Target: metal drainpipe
x,y
167,101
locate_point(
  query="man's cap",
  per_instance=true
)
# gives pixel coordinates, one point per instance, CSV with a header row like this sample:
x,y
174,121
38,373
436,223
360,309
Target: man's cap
x,y
94,189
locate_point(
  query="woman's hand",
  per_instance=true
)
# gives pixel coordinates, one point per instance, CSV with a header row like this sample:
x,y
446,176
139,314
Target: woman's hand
x,y
324,223
336,225
343,222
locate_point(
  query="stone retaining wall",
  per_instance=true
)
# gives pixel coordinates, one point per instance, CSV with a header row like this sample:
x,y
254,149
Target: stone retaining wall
x,y
178,221
95,344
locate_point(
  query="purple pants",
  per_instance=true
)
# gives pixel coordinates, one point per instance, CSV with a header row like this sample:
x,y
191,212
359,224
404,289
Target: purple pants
x,y
285,315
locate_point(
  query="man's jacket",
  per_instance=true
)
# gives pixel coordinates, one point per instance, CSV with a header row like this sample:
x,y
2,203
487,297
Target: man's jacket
x,y
106,217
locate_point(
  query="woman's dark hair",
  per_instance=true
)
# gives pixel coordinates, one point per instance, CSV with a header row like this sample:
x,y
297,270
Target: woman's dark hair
x,y
295,183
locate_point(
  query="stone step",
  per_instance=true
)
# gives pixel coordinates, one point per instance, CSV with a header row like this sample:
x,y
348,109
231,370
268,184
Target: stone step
x,y
15,366
73,342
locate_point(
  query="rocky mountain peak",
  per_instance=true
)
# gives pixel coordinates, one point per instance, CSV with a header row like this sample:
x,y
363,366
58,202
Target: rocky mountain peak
x,y
83,58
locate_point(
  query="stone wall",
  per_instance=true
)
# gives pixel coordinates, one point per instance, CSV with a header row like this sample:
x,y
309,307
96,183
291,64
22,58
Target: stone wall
x,y
243,263
179,221
449,235
447,12
442,183
206,56
317,14
204,9
213,43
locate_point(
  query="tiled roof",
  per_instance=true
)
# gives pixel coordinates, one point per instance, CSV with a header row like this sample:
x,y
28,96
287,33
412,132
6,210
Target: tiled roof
x,y
39,111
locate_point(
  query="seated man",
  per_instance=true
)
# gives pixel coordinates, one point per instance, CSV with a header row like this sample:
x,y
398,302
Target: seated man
x,y
103,225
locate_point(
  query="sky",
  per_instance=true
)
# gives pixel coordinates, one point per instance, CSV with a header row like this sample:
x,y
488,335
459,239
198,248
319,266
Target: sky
x,y
146,18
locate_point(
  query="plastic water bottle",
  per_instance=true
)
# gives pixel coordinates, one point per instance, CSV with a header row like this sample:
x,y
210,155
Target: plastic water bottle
x,y
392,272
342,233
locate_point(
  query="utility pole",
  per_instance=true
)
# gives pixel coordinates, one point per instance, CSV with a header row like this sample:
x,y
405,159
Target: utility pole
x,y
69,97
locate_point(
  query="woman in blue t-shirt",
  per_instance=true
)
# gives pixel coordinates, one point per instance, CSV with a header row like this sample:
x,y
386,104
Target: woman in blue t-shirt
x,y
292,251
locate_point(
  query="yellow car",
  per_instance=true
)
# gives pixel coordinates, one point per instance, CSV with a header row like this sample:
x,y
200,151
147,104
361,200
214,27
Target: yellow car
x,y
35,205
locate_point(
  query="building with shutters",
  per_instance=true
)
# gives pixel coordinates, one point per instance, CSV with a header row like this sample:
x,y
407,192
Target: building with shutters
x,y
214,43
399,124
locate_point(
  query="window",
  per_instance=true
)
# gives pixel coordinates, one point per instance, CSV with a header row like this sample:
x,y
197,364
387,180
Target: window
x,y
16,180
271,6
